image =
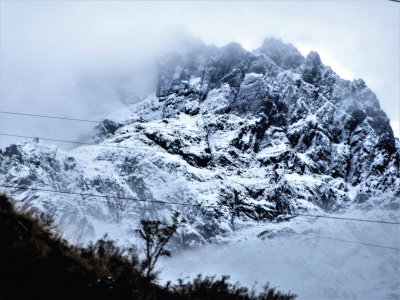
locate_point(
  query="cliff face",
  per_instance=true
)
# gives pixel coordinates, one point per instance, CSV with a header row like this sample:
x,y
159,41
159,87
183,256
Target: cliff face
x,y
240,135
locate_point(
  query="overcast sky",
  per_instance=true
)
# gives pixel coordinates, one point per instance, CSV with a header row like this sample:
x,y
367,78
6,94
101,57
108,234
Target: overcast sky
x,y
80,59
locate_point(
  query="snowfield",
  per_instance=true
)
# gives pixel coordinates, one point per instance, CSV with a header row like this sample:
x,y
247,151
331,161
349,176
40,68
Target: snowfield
x,y
312,268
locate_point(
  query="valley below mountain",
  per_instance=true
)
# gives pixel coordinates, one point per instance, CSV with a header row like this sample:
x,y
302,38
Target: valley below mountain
x,y
306,255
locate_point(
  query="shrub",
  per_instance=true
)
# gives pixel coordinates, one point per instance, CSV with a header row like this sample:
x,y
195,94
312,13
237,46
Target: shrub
x,y
36,263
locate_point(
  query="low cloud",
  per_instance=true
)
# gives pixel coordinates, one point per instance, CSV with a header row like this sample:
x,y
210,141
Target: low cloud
x,y
85,59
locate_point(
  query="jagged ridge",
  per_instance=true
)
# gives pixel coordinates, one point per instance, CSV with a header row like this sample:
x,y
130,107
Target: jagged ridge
x,y
248,135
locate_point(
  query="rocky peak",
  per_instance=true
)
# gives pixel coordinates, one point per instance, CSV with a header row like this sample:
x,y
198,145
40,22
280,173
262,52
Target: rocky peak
x,y
246,135
284,55
312,69
313,59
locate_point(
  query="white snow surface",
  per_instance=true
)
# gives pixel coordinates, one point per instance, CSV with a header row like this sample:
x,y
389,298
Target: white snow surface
x,y
311,267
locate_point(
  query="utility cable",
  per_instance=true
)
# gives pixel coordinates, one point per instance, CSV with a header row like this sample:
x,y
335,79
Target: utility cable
x,y
75,142
194,205
48,117
348,219
179,203
137,148
101,196
60,118
341,240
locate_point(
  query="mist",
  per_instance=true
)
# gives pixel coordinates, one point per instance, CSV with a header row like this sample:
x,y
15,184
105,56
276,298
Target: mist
x,y
86,59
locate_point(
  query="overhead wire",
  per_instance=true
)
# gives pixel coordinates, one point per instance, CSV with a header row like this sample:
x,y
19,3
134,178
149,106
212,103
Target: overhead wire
x,y
160,201
76,142
99,195
341,240
137,148
347,219
57,117
199,205
185,204
48,116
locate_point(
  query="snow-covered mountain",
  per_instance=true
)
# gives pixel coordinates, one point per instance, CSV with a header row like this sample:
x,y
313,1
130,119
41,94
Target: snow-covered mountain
x,y
240,136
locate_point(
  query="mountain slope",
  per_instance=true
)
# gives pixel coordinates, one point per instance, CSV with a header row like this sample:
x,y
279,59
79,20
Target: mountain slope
x,y
238,135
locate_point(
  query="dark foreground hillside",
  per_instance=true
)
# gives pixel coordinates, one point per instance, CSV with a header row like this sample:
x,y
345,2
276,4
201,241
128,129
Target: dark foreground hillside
x,y
35,263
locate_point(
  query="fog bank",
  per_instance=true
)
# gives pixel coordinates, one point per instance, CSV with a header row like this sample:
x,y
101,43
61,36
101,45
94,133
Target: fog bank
x,y
85,59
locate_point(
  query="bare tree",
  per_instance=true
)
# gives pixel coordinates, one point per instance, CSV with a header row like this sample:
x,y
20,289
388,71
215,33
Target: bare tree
x,y
156,235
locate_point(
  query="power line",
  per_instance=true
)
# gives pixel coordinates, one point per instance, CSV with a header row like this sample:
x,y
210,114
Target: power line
x,y
75,142
67,141
349,219
100,196
48,117
57,117
196,205
185,204
159,201
136,148
346,241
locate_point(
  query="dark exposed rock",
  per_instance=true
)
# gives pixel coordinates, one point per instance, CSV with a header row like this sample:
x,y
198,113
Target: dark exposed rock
x,y
107,128
284,55
251,135
177,146
312,70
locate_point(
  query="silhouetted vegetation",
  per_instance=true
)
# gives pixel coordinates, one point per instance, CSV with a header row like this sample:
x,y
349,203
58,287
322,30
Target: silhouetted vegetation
x,y
211,288
36,263
156,236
